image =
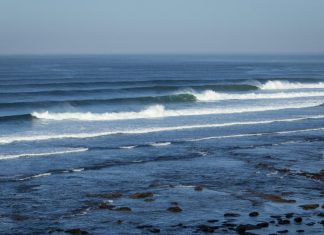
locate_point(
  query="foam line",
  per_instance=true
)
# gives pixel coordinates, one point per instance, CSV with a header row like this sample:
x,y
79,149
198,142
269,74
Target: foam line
x,y
26,138
158,111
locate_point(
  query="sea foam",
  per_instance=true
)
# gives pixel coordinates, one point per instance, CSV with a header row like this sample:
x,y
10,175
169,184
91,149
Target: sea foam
x,y
26,138
159,111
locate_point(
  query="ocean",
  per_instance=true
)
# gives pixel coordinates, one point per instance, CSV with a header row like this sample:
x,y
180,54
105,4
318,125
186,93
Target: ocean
x,y
169,144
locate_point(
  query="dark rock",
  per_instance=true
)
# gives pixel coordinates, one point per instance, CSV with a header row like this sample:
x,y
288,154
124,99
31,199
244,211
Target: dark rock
x,y
198,188
174,209
310,223
75,231
275,216
112,195
229,224
205,228
320,214
119,221
289,215
106,206
321,222
212,220
283,221
315,176
141,195
309,206
272,222
254,214
298,220
275,198
300,231
244,227
154,230
263,225
231,214
122,209
283,231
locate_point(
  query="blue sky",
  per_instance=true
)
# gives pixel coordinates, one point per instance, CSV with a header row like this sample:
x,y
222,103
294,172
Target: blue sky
x,y
161,26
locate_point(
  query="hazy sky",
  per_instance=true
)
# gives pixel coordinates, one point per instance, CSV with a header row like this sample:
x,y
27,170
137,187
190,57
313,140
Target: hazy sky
x,y
161,26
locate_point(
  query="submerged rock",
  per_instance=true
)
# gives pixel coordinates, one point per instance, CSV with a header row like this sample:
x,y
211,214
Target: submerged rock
x,y
174,209
205,228
141,195
112,195
275,198
198,188
298,220
122,209
254,214
75,231
309,206
230,214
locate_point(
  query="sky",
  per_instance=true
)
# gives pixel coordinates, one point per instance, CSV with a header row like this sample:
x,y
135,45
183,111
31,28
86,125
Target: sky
x,y
161,26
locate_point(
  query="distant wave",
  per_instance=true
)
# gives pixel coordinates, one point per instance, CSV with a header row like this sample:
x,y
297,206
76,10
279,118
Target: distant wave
x,y
286,85
13,156
27,138
158,111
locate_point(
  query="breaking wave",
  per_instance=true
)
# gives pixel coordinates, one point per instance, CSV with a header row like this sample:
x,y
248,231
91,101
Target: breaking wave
x,y
286,85
159,111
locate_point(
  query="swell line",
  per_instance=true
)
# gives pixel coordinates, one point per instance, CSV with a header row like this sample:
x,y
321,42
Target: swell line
x,y
159,111
26,138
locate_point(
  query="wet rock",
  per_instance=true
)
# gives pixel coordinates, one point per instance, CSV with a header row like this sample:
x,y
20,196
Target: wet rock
x,y
112,195
230,214
322,222
212,221
272,222
283,221
205,228
298,220
174,209
75,231
289,215
229,224
254,214
283,231
106,206
244,227
320,214
141,195
309,206
275,216
144,226
300,231
119,221
198,188
263,225
275,198
122,209
154,230
315,176
310,223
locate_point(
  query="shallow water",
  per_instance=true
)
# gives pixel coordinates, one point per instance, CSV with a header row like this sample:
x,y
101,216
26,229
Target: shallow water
x,y
243,128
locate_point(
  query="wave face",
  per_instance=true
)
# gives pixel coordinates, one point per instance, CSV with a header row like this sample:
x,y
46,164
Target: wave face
x,y
159,111
286,85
